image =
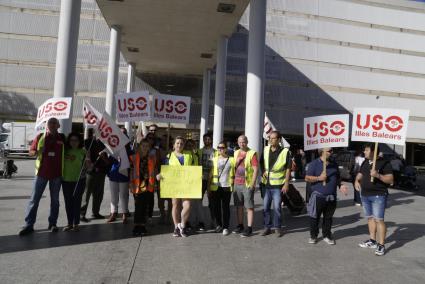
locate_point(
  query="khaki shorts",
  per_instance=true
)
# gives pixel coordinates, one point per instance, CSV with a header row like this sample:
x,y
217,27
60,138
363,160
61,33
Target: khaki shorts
x,y
243,196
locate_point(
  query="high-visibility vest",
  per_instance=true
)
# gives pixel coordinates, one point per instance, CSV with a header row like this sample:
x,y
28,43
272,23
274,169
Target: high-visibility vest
x,y
276,175
231,175
188,159
40,150
249,170
137,184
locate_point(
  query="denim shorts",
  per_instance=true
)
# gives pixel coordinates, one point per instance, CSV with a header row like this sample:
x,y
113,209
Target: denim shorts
x,y
374,206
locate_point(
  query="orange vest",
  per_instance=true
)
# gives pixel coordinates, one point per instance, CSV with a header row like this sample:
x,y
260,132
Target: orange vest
x,y
138,185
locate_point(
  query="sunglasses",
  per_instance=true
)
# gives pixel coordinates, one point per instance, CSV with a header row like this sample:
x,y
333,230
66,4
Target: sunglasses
x,y
221,148
74,140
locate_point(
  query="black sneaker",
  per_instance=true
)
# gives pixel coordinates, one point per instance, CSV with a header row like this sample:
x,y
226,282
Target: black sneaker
x,y
238,230
201,227
218,229
136,231
267,231
26,231
177,233
84,219
380,250
143,230
368,244
183,231
246,233
98,216
53,228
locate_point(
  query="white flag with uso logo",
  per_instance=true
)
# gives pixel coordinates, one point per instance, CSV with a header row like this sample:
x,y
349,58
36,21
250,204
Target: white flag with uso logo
x,y
110,134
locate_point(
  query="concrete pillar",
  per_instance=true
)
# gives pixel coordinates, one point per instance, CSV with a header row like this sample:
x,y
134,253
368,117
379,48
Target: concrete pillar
x,y
220,87
113,69
254,115
66,54
205,105
130,88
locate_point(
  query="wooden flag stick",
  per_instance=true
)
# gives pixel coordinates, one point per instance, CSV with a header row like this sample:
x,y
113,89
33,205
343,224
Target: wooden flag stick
x,y
375,154
324,165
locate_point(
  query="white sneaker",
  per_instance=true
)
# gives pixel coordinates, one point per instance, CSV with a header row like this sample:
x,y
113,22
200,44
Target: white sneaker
x,y
312,241
329,241
226,232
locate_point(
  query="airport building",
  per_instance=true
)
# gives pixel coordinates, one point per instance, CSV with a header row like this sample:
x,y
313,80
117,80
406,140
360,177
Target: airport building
x,y
321,57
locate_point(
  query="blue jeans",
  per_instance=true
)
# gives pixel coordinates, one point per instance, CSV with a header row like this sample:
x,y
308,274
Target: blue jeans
x,y
374,206
272,195
37,192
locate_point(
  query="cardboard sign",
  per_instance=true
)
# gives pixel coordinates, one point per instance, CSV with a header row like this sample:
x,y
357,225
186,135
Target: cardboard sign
x,y
173,109
90,115
380,125
133,106
59,108
181,182
326,131
110,135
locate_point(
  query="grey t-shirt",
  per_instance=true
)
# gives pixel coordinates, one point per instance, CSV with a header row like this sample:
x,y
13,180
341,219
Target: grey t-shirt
x,y
206,162
223,172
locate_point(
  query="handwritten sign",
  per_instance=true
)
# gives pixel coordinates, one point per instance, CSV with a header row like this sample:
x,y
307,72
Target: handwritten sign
x,y
181,182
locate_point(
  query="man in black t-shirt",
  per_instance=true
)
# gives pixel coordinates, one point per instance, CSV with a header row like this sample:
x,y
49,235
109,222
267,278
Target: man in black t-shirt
x,y
374,197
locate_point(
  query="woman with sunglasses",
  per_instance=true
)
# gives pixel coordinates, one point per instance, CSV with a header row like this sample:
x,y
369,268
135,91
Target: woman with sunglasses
x,y
74,179
220,187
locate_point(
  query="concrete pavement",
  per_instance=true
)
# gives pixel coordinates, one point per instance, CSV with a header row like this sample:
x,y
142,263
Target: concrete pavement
x,y
107,253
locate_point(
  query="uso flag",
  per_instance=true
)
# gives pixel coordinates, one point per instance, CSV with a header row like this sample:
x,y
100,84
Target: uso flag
x,y
110,134
91,115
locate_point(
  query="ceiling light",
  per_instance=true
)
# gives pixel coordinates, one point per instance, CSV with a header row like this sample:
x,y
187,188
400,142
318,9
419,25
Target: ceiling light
x,y
226,8
132,49
206,55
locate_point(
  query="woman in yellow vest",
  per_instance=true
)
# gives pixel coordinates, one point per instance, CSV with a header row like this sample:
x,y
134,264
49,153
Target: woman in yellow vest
x,y
220,188
181,207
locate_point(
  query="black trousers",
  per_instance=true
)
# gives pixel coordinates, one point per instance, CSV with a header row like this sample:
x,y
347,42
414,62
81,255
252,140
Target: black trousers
x,y
221,205
141,206
73,199
327,209
95,183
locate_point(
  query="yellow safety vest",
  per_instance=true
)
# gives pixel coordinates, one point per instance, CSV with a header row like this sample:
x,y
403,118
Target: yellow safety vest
x,y
188,159
249,170
40,146
276,175
231,176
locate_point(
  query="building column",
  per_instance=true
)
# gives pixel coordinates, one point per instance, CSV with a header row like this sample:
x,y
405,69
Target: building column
x,y
205,105
113,70
220,87
254,114
66,55
130,88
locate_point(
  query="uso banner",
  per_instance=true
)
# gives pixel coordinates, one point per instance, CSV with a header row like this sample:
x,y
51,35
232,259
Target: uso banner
x,y
90,114
380,125
173,109
59,108
326,131
133,106
110,135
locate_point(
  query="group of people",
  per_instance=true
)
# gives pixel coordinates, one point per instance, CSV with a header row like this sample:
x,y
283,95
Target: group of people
x,y
81,168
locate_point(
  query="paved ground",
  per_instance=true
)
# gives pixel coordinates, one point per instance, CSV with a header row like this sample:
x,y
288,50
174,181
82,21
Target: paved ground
x,y
107,253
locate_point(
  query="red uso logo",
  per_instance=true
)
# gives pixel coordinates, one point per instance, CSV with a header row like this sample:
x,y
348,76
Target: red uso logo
x,y
89,117
47,108
106,133
169,106
392,123
131,104
336,128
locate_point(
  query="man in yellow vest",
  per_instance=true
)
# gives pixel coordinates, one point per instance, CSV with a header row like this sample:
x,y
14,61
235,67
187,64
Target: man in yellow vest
x,y
276,168
49,150
246,162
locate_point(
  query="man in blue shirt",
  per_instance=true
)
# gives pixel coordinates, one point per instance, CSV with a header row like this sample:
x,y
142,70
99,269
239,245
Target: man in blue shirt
x,y
323,195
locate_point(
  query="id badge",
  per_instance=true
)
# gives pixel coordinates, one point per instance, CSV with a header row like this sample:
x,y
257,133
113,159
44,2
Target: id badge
x,y
51,154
